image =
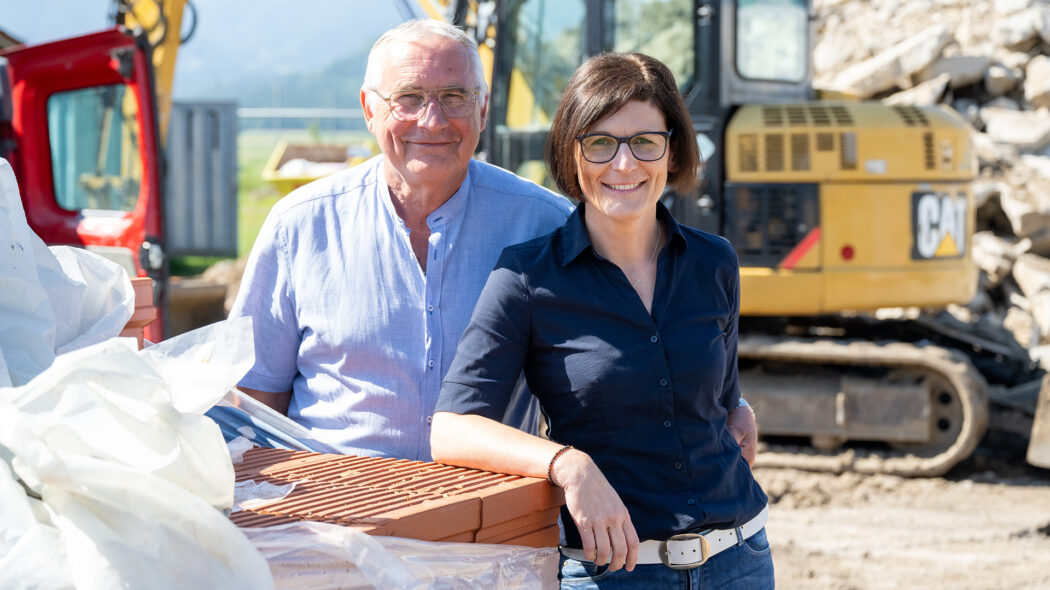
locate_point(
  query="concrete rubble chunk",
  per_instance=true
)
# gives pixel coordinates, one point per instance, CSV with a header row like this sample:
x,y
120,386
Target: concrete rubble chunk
x,y
1032,273
832,53
994,255
1027,218
1037,82
1015,60
895,65
1041,355
1042,24
984,189
1022,326
925,94
990,153
1019,31
1040,305
970,110
1037,164
963,69
999,79
1007,7
1013,296
1026,130
1003,102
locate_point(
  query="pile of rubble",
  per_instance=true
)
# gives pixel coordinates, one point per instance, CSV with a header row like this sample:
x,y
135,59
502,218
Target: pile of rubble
x,y
990,61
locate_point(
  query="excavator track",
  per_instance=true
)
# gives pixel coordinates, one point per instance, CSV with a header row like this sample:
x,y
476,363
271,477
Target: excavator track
x,y
955,417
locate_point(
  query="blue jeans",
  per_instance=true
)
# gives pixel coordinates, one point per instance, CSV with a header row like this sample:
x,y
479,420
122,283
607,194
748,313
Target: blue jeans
x,y
747,566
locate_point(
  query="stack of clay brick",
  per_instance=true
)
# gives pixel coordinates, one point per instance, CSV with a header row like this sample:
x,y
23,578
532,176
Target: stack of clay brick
x,y
145,312
400,498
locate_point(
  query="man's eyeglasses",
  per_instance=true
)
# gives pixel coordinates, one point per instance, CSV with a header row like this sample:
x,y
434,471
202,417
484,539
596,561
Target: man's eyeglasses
x,y
647,146
409,105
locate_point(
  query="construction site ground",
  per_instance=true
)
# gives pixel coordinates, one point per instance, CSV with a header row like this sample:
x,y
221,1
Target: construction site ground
x,y
984,525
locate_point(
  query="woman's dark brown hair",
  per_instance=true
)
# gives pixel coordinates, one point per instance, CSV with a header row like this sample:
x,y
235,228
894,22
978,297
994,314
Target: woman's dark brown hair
x,y
599,88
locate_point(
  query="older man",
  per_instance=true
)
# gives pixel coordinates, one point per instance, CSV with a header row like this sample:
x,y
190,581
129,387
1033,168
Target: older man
x,y
360,284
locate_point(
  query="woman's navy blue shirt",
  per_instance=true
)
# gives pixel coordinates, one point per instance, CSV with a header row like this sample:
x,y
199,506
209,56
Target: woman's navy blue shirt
x,y
646,396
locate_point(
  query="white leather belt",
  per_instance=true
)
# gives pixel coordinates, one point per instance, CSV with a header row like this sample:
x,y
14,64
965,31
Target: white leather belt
x,y
689,550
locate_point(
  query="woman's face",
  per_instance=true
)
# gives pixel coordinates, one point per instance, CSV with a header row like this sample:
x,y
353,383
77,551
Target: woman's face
x,y
624,188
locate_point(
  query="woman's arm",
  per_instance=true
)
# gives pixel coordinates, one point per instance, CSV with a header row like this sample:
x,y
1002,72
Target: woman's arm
x,y
605,527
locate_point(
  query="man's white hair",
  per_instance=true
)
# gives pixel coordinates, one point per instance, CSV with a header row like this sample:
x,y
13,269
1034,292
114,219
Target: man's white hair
x,y
419,30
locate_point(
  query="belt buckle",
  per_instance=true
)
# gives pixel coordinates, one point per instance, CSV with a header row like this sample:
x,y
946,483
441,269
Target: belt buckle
x,y
705,551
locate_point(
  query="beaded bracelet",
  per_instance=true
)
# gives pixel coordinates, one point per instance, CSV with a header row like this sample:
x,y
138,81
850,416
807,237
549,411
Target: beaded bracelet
x,y
550,467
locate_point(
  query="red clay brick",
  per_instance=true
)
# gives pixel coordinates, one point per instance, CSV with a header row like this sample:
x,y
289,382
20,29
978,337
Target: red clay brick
x,y
145,312
547,537
401,498
519,526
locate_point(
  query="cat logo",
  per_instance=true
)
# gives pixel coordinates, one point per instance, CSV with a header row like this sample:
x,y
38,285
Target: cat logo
x,y
938,225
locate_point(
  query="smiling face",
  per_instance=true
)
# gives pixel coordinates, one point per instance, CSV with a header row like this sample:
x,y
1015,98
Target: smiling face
x,y
624,188
434,150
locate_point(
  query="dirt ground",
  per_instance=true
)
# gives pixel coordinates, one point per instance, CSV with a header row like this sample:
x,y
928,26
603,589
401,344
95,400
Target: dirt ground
x,y
984,525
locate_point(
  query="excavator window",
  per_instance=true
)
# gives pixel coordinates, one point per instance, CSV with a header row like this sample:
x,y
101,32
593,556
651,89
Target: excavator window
x,y
660,28
548,46
772,39
94,139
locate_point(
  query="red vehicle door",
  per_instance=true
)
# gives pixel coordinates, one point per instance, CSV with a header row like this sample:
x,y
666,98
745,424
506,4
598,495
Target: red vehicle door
x,y
82,139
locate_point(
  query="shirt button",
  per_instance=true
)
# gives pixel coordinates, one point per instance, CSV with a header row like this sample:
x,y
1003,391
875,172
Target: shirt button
x,y
430,364
663,382
690,501
430,308
667,423
654,339
429,418
677,464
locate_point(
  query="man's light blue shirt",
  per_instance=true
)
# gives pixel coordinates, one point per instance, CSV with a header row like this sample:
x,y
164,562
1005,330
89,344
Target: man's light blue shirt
x,y
345,317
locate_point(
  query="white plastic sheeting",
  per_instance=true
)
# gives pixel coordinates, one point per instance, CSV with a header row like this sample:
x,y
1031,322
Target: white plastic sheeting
x,y
52,300
315,555
122,480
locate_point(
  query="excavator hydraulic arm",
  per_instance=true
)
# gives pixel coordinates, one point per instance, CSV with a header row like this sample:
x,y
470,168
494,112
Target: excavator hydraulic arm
x,y
161,21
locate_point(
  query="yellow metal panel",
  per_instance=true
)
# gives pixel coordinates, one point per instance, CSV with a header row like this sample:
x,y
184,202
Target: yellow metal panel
x,y
765,291
843,142
521,105
887,267
950,282
875,220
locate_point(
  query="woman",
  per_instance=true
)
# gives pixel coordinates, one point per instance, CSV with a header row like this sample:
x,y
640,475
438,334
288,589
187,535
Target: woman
x,y
625,326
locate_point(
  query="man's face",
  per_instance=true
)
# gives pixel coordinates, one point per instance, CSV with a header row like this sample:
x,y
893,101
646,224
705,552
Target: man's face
x,y
434,148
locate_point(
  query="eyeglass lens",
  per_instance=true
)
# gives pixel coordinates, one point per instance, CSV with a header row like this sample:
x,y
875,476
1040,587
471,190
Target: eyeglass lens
x,y
600,148
409,105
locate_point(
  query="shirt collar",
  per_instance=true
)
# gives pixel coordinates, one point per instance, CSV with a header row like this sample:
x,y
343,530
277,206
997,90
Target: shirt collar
x,y
450,209
575,240
455,205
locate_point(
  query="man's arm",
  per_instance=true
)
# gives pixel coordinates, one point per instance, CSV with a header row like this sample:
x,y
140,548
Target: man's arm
x,y
277,400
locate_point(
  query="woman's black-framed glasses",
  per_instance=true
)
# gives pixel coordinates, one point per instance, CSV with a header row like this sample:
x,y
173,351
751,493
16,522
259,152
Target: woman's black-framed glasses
x,y
647,146
409,105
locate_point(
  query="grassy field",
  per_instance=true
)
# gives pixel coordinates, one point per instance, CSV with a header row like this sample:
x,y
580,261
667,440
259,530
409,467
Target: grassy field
x,y
255,196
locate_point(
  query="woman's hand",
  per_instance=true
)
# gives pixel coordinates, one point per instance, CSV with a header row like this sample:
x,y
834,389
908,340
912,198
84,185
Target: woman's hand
x,y
741,424
605,527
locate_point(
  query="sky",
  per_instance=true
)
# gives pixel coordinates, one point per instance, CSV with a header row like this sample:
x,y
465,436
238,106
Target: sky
x,y
236,41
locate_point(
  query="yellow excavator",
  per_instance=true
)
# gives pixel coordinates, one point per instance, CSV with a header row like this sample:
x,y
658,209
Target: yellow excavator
x,y
836,209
